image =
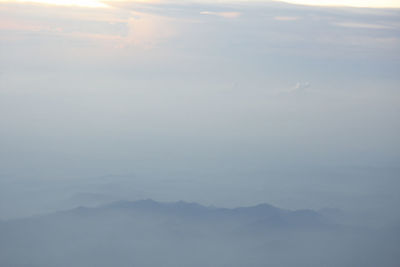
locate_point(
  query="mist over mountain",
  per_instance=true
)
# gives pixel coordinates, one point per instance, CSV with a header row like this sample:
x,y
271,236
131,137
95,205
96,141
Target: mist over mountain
x,y
106,105
150,233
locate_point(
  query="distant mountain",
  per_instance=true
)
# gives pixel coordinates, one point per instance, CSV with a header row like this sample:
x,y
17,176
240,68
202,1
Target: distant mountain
x,y
263,214
150,233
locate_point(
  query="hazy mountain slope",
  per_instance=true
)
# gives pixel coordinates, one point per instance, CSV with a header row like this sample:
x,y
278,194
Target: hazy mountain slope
x,y
149,233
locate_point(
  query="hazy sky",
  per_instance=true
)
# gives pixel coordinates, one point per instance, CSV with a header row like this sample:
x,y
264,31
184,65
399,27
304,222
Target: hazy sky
x,y
352,3
221,103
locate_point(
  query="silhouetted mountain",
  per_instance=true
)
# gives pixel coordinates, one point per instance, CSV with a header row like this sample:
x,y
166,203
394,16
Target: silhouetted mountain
x,y
262,215
150,233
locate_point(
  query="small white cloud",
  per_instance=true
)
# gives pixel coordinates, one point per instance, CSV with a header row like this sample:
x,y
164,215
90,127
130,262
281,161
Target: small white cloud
x,y
298,88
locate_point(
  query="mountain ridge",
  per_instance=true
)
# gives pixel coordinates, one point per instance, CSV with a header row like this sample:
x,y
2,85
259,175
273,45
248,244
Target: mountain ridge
x,y
129,233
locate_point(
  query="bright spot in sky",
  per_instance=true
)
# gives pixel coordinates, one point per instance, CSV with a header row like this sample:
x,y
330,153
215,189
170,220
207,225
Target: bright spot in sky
x,y
84,3
353,3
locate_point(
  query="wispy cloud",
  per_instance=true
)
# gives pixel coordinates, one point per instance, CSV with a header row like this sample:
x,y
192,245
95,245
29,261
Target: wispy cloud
x,y
228,15
286,18
82,3
350,24
346,3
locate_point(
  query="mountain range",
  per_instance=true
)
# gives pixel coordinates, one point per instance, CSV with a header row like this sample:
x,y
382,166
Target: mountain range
x,y
150,233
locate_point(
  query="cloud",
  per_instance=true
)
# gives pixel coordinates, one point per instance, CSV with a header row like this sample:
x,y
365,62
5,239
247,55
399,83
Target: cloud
x,y
227,15
81,3
348,3
286,18
298,88
362,25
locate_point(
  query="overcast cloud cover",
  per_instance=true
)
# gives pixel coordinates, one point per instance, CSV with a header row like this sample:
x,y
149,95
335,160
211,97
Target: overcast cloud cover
x,y
224,104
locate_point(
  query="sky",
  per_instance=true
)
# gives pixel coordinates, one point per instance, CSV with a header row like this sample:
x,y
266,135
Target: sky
x,y
351,3
220,103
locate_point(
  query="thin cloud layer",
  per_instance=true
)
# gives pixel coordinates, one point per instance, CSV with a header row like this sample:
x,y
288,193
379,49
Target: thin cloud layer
x,y
80,3
350,3
228,15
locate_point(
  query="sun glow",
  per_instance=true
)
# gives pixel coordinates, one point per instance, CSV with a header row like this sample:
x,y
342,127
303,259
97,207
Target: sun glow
x,y
82,3
351,3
